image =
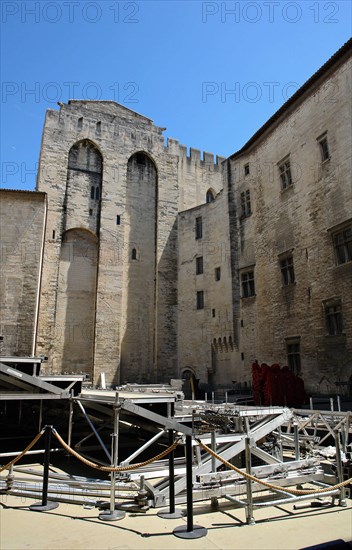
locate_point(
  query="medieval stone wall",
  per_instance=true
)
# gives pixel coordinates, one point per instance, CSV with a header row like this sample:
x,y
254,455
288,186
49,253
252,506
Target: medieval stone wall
x,y
206,344
102,269
298,222
108,172
22,219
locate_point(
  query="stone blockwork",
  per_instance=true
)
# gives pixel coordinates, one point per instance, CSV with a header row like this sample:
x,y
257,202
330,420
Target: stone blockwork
x,y
159,264
22,220
297,223
288,287
206,343
107,171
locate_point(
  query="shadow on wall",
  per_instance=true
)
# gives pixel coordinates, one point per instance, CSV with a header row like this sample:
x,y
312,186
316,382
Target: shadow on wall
x,y
76,301
138,342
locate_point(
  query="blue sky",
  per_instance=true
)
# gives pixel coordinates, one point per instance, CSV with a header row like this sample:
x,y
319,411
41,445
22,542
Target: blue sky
x,y
210,72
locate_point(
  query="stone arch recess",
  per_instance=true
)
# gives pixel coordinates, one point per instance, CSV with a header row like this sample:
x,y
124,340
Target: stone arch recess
x,y
76,302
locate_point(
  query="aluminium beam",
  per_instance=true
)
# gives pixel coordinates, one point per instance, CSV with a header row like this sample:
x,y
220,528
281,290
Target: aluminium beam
x,y
207,464
10,382
33,380
282,469
167,423
14,396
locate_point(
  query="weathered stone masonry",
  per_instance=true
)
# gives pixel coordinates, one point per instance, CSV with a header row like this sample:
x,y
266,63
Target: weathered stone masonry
x,y
104,268
115,191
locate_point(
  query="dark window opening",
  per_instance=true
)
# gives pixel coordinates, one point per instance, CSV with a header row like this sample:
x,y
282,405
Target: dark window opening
x,y
293,349
118,219
54,234
287,270
324,149
134,254
333,318
247,280
285,174
140,158
242,356
217,274
343,245
92,192
98,128
200,299
80,123
246,209
90,212
199,265
97,193
246,169
213,312
209,196
199,228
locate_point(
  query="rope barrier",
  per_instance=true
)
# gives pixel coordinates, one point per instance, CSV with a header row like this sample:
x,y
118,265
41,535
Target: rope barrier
x,y
166,452
270,485
111,468
9,464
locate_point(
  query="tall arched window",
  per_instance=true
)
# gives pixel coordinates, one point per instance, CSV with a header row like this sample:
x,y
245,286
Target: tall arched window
x,y
84,179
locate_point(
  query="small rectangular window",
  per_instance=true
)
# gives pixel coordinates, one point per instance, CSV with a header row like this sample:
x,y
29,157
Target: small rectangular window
x,y
343,245
293,349
333,317
246,204
98,128
285,173
287,270
213,312
324,148
199,265
118,219
217,274
246,169
200,299
199,227
247,282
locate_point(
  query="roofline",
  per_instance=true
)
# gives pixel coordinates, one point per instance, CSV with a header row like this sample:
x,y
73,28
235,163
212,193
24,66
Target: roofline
x,y
24,191
334,62
92,101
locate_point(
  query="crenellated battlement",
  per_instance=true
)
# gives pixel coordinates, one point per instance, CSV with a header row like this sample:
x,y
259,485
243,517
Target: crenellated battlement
x,y
107,120
195,155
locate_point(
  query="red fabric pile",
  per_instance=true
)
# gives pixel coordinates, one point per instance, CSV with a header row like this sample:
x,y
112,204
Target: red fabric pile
x,y
273,385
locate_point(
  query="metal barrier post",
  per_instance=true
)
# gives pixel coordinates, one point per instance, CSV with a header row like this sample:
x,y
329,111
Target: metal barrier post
x,y
70,420
45,506
112,514
249,507
296,438
190,531
342,499
171,513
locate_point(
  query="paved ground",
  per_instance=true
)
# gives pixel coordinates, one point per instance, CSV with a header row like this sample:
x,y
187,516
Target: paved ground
x,y
74,527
